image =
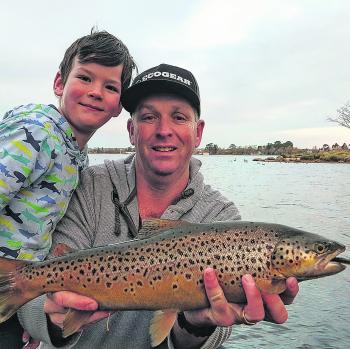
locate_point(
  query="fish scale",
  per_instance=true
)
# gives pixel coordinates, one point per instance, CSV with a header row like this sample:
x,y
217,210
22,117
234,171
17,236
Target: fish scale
x,y
165,269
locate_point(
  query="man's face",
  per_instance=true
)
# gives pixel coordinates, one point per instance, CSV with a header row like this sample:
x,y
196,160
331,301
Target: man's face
x,y
164,132
90,96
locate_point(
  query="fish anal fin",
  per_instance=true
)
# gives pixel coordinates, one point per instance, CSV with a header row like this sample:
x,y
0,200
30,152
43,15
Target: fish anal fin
x,y
74,320
273,286
161,325
155,224
61,249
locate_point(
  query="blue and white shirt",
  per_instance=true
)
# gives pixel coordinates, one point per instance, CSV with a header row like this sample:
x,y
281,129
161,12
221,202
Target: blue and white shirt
x,y
40,161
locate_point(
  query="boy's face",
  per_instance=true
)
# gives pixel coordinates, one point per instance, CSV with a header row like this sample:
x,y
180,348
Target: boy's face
x,y
90,97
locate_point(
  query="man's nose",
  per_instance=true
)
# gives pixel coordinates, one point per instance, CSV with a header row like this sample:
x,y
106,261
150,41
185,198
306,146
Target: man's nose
x,y
164,127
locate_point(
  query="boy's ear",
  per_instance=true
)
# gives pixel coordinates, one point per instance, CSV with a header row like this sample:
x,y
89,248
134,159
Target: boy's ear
x,y
118,111
131,130
58,85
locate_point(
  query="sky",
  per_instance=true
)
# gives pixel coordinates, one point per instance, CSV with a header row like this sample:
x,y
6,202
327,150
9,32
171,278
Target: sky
x,y
268,70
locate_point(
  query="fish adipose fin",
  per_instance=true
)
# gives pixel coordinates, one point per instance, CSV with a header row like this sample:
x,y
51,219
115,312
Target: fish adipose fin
x,y
150,226
161,325
74,320
11,297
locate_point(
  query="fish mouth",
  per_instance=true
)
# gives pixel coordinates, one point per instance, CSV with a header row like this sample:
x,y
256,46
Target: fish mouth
x,y
329,264
341,260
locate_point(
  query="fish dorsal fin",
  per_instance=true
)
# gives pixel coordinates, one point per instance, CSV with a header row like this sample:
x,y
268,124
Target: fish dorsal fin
x,y
74,320
62,249
161,325
151,226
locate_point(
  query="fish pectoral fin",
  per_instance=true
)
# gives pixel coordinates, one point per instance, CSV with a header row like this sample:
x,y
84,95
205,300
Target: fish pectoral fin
x,y
74,320
161,325
274,285
61,249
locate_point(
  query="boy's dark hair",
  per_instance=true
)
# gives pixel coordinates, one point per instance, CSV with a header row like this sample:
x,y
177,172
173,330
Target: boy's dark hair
x,y
102,48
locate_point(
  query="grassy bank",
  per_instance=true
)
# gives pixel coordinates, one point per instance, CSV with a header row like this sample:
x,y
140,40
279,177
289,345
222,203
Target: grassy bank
x,y
321,156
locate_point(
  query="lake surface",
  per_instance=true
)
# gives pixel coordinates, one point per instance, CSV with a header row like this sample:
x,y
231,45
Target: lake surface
x,y
312,197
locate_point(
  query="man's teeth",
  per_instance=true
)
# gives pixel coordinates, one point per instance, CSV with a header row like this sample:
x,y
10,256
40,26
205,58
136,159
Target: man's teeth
x,y
164,148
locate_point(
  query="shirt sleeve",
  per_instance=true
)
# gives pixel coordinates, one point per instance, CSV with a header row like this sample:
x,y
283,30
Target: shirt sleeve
x,y
25,155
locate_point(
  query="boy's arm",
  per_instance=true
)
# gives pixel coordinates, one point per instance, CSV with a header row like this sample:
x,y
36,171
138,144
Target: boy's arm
x,y
19,159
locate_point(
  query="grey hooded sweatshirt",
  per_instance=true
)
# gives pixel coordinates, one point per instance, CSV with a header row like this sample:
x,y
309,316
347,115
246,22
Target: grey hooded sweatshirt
x,y
93,219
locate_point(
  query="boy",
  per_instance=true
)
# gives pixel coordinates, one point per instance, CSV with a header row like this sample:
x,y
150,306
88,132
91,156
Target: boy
x,y
43,148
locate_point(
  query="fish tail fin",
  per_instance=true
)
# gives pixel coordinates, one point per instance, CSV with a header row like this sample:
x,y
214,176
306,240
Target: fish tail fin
x,y
161,325
11,297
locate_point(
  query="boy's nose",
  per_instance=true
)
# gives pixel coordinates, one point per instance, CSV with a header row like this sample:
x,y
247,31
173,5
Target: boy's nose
x,y
95,92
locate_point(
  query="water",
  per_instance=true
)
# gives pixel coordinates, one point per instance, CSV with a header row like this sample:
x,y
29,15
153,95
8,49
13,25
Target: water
x,y
313,197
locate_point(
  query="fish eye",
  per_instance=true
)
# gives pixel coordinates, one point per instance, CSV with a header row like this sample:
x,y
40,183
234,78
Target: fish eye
x,y
321,248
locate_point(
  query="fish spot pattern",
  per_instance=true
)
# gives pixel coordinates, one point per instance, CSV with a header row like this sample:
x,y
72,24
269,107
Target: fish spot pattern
x,y
173,262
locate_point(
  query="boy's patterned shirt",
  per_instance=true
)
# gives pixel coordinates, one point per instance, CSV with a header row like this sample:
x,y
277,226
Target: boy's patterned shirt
x,y
40,161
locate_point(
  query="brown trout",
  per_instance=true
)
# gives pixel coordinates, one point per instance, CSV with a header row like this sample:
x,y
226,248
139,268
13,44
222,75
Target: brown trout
x,y
165,270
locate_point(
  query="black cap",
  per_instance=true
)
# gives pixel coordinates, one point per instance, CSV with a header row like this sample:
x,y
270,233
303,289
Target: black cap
x,y
164,78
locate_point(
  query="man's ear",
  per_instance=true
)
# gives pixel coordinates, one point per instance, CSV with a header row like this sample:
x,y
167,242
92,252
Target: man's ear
x,y
131,130
58,85
199,130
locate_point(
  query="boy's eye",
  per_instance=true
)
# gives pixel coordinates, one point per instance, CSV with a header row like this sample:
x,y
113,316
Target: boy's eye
x,y
112,88
84,78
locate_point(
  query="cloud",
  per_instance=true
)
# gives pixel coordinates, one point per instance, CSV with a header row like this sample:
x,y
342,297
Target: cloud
x,y
223,23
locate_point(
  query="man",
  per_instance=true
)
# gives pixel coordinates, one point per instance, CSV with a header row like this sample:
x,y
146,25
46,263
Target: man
x,y
160,180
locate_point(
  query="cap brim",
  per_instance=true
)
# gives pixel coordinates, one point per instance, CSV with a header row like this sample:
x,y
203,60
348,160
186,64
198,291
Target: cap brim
x,y
134,94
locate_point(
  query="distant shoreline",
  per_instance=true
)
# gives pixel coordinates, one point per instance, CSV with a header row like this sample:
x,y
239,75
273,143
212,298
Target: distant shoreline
x,y
345,160
333,157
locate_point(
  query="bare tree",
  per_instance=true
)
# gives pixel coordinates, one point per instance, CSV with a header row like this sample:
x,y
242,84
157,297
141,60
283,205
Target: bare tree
x,y
343,116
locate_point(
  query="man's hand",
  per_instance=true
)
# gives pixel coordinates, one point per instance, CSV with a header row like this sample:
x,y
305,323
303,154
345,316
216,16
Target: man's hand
x,y
275,310
57,305
260,306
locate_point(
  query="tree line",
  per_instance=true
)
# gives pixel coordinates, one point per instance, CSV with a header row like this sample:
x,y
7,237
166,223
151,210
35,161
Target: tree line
x,y
275,148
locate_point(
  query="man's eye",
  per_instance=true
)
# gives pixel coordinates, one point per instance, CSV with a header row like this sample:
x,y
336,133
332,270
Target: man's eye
x,y
148,117
180,117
